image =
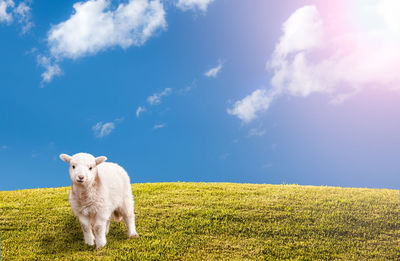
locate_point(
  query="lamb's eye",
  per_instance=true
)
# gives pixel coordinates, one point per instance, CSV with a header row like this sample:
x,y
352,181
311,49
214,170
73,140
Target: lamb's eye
x,y
73,166
90,168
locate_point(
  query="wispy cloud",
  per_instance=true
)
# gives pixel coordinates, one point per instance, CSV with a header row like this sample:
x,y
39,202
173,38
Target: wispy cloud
x,y
52,68
101,130
159,126
119,120
256,132
248,108
21,13
267,166
140,110
213,72
5,11
156,97
188,88
24,16
193,4
224,156
130,24
4,147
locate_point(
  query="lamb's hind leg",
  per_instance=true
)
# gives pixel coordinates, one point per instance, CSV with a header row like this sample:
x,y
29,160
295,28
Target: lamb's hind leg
x,y
129,217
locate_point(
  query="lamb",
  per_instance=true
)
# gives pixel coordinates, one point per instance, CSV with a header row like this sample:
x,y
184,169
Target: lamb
x,y
99,191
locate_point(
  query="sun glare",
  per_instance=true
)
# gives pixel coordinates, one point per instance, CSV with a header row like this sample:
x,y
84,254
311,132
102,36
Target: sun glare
x,y
377,17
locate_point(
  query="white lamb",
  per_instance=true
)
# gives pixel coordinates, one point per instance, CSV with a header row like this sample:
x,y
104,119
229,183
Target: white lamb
x,y
99,191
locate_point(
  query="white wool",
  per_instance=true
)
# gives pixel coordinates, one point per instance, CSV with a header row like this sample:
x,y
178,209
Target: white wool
x,y
99,191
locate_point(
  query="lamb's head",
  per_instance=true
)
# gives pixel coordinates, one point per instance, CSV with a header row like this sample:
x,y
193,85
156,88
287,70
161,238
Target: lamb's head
x,y
83,167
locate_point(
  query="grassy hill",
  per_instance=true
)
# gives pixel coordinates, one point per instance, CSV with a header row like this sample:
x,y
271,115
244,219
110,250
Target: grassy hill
x,y
192,221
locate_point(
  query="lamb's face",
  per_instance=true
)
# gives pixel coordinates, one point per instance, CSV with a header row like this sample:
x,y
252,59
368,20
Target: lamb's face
x,y
83,167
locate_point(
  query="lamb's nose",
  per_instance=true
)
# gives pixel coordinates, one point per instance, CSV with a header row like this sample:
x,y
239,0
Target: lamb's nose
x,y
80,177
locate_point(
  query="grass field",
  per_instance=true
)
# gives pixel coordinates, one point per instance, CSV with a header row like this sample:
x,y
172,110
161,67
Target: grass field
x,y
208,221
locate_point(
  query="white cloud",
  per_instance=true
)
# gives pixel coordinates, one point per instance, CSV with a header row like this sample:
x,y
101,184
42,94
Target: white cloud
x,y
4,147
96,25
5,11
22,13
338,63
156,97
201,5
52,68
303,30
139,110
213,72
248,108
317,55
101,130
159,126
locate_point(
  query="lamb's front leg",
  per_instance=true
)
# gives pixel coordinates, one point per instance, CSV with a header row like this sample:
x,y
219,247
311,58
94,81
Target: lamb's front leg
x,y
100,231
87,230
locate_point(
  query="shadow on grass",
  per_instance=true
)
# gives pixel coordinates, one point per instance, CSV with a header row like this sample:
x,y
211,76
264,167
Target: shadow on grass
x,y
65,237
68,236
118,232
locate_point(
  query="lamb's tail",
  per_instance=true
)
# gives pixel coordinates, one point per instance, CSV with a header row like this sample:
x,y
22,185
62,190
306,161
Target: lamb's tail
x,y
117,217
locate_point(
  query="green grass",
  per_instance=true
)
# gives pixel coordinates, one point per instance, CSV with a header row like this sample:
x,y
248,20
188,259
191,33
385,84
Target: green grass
x,y
208,221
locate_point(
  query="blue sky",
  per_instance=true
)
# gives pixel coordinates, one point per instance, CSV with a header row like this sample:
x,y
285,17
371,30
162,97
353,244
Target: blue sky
x,y
230,91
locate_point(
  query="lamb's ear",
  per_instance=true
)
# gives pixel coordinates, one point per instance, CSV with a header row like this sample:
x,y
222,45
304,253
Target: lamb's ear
x,y
100,159
65,157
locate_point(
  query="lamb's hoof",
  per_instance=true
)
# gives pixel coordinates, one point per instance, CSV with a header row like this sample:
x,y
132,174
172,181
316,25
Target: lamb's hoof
x,y
89,243
100,244
134,235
